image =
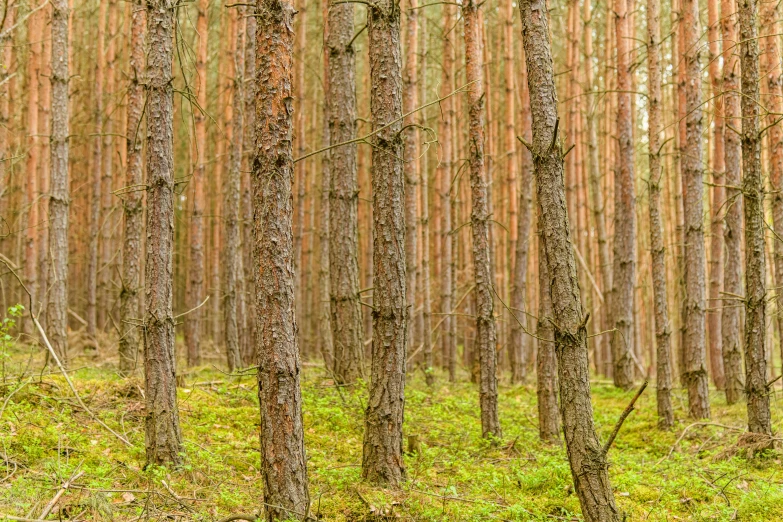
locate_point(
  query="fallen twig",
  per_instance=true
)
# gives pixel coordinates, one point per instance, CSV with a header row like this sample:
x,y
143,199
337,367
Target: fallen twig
x,y
60,492
623,416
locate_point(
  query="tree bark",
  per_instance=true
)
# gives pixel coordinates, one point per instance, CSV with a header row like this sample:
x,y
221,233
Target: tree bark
x,y
410,168
163,437
34,30
233,260
132,204
195,288
624,269
546,359
59,199
445,173
694,347
486,336
732,233
282,434
657,249
346,313
382,461
718,198
756,388
770,64
587,458
249,335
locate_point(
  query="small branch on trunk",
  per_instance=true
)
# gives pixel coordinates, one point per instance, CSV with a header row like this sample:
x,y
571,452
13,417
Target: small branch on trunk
x,y
624,415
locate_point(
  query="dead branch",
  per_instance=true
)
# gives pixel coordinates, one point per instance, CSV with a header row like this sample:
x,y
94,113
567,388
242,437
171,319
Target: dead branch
x,y
624,415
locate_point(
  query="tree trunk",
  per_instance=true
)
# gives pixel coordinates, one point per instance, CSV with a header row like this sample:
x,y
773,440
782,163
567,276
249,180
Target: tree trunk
x,y
587,458
445,173
195,288
770,64
346,313
732,233
482,266
598,209
249,335
324,304
95,195
718,199
382,461
34,30
756,387
657,249
546,360
233,260
283,462
132,205
105,269
409,102
425,318
694,348
59,200
163,437
624,269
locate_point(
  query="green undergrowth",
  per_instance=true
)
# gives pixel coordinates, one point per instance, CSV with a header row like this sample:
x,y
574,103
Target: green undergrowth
x,y
46,438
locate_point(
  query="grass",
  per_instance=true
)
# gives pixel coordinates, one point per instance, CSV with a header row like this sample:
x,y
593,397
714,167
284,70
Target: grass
x,y
45,438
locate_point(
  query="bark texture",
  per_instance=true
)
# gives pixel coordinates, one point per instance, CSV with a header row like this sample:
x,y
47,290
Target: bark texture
x,y
195,288
59,199
657,249
732,232
233,260
346,313
770,65
546,359
282,435
624,269
162,436
445,173
411,164
694,371
486,335
382,461
589,467
756,388
132,201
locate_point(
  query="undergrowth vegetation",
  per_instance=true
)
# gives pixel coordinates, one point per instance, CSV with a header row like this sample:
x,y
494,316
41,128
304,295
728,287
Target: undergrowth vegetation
x,y
697,471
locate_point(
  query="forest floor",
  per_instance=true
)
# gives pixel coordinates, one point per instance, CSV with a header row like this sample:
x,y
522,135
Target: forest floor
x,y
696,471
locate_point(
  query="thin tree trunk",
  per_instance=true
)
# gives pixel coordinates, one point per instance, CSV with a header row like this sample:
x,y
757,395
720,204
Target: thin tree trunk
x,y
57,316
282,433
486,335
756,388
132,204
409,102
546,359
195,284
97,161
624,269
598,206
718,197
300,136
445,173
249,335
732,233
657,249
694,348
425,318
324,300
163,437
382,461
34,30
587,458
105,269
231,299
346,313
770,60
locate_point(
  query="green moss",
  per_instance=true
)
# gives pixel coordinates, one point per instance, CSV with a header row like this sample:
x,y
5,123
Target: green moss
x,y
456,475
